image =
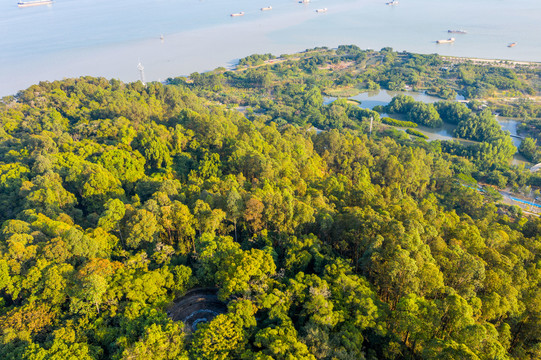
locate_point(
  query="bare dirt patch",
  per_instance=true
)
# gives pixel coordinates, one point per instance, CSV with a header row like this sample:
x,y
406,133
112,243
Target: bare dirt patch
x,y
196,306
339,66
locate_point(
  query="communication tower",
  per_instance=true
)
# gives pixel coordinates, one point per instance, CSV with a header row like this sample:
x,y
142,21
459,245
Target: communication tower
x,y
141,69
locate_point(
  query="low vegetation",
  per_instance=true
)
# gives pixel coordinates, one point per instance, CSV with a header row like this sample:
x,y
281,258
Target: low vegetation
x,y
416,133
400,123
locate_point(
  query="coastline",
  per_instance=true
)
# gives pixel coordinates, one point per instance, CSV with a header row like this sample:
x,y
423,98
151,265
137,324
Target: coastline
x,y
494,62
227,59
202,36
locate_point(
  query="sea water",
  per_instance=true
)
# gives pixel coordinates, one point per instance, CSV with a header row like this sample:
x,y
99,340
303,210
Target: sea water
x,y
110,37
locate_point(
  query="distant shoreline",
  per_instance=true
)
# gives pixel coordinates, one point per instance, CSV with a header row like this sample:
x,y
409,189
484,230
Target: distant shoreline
x,y
495,62
233,66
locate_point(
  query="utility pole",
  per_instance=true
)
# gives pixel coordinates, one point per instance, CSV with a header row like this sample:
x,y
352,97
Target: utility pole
x,y
532,206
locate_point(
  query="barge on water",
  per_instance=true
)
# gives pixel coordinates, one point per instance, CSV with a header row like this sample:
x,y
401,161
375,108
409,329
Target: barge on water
x,y
23,4
448,41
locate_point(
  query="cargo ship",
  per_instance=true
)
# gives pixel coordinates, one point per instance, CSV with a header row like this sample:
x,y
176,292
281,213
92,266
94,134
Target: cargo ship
x,y
266,8
321,10
238,14
512,44
457,31
448,41
23,4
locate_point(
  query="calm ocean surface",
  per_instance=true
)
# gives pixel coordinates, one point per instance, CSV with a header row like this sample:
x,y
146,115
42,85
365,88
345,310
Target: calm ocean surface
x,y
109,37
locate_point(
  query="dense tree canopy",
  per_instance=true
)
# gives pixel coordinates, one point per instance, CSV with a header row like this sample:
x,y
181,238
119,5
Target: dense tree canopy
x,y
116,198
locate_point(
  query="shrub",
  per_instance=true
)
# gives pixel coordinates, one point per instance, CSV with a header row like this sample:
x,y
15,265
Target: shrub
x,y
394,122
416,133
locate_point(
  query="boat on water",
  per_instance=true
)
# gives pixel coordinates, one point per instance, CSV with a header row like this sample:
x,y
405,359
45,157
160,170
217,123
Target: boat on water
x,y
23,4
512,44
448,41
394,2
457,31
321,10
238,14
304,1
266,8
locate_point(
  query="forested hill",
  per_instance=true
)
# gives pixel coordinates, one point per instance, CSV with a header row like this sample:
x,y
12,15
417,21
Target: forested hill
x,y
115,199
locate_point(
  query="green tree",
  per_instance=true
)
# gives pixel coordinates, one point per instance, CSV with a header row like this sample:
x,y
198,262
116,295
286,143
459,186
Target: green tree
x,y
219,339
127,166
482,127
234,207
528,149
424,114
452,112
207,220
154,148
160,342
142,228
89,293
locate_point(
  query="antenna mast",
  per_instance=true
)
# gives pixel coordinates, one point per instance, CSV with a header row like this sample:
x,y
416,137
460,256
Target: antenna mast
x,y
141,69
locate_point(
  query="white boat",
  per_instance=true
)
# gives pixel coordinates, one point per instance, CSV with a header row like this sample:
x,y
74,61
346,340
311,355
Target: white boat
x,y
448,41
238,14
23,4
266,8
394,2
321,10
304,1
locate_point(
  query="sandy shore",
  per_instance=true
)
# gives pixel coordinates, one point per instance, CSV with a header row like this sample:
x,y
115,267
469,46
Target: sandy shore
x,y
495,62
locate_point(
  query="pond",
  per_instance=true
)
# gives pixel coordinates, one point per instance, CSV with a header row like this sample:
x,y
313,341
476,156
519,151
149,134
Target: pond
x,y
370,99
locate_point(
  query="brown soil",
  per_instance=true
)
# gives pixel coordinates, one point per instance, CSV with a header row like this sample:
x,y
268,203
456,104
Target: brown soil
x,y
339,66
